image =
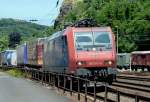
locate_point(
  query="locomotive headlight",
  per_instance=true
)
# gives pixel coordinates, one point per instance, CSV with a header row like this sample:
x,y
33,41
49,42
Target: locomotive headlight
x,y
94,49
79,63
110,62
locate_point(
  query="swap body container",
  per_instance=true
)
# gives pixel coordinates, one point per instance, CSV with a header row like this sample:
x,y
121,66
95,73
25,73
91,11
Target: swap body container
x,y
35,52
32,53
14,59
9,58
40,50
22,55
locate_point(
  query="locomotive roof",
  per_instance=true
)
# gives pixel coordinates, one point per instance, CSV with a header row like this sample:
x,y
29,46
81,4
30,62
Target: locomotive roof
x,y
93,28
60,33
55,35
141,52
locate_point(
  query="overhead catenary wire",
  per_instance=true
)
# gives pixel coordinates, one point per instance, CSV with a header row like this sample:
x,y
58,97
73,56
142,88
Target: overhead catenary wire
x,y
51,13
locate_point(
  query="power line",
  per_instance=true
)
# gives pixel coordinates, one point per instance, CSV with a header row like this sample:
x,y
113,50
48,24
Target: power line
x,y
52,13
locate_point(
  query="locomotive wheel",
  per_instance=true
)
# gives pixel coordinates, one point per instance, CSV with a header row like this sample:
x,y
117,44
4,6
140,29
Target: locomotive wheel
x,y
125,68
110,79
132,69
142,69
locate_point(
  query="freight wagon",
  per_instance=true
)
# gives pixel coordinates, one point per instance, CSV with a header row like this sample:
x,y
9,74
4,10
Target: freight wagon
x,y
35,53
141,60
22,55
123,60
8,58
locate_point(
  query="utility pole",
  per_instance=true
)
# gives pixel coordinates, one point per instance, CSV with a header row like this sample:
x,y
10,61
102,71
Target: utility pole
x,y
117,40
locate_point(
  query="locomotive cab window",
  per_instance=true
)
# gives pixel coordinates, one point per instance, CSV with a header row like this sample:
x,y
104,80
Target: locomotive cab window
x,y
102,40
101,37
83,38
89,40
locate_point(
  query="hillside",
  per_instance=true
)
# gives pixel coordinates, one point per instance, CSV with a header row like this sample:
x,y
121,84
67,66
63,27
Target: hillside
x,y
130,17
27,30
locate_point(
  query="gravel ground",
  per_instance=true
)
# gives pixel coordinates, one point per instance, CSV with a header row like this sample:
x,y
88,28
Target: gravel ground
x,y
23,90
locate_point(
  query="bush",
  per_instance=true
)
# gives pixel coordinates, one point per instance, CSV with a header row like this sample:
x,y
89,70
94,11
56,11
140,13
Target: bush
x,y
16,73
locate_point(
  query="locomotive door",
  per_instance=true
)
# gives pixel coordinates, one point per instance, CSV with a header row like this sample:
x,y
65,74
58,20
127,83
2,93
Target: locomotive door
x,y
65,51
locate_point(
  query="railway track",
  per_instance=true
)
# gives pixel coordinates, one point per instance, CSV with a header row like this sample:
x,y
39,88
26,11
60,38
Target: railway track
x,y
128,86
132,86
137,78
137,83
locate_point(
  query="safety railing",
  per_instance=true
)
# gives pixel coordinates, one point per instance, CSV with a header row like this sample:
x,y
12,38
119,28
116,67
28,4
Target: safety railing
x,y
80,86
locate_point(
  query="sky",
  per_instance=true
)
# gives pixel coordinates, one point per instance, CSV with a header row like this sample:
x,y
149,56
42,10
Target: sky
x,y
45,11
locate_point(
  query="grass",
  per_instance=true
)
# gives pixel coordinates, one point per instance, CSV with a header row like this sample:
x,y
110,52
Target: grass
x,y
15,73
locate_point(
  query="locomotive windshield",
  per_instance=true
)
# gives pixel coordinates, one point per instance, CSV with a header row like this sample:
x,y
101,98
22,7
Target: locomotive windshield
x,y
101,37
89,40
84,38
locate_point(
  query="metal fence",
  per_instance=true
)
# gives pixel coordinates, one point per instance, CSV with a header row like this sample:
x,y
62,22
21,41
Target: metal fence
x,y
73,84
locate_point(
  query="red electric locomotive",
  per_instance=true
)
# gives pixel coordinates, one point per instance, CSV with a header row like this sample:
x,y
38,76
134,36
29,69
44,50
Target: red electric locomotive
x,y
83,51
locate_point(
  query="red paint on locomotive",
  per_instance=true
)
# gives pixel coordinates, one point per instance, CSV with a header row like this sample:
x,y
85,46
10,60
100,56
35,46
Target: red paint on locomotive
x,y
90,59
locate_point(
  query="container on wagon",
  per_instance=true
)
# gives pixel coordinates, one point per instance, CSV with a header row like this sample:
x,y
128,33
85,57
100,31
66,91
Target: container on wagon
x,y
35,52
22,55
9,58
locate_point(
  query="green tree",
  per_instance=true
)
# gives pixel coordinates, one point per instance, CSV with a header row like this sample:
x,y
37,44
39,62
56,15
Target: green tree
x,y
131,16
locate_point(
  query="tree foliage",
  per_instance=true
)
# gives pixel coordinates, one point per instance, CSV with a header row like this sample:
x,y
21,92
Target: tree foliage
x,y
27,31
14,39
3,42
131,17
